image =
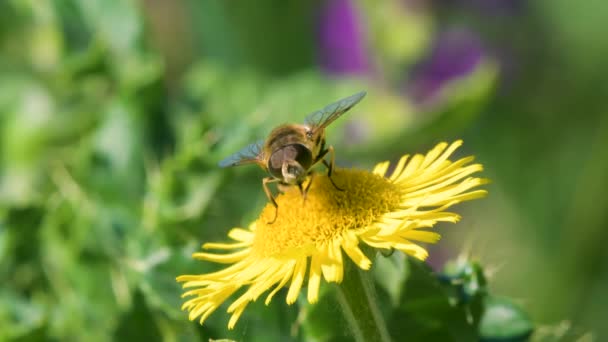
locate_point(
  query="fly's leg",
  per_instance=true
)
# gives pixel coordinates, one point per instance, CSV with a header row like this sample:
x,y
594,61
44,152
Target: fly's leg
x,y
312,175
304,191
330,166
265,183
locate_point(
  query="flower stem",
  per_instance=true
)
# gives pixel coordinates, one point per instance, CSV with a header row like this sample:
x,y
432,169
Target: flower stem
x,y
357,298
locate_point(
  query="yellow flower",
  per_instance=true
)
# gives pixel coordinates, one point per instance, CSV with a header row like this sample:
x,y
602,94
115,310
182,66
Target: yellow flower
x,y
308,237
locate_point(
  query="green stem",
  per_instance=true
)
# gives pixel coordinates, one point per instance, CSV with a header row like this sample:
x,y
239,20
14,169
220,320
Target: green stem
x,y
357,298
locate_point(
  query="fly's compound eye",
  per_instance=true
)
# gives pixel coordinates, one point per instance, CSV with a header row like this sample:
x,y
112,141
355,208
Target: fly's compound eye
x,y
275,163
287,154
302,155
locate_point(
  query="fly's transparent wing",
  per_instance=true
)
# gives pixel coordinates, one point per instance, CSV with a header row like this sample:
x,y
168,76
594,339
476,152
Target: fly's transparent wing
x,y
322,118
251,153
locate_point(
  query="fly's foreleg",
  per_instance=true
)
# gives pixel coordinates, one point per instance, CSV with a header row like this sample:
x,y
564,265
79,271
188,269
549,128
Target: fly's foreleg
x,y
265,183
304,191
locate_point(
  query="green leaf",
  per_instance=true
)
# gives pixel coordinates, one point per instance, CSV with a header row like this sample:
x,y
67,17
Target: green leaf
x,y
466,286
19,316
425,312
563,331
323,321
502,320
390,273
139,316
159,287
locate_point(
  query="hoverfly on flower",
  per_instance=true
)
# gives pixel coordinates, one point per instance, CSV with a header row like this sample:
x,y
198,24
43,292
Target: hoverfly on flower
x,y
291,150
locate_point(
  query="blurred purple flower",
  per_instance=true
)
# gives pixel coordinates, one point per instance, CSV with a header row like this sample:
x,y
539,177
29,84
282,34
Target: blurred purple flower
x,y
342,48
455,53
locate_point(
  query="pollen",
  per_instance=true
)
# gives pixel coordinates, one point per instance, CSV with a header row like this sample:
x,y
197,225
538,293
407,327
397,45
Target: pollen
x,y
325,213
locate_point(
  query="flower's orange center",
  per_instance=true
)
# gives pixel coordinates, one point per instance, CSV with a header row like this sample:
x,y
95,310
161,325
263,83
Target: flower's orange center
x,y
326,212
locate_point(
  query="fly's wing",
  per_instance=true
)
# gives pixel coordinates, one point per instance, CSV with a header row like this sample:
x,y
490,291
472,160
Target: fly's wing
x,y
322,118
251,153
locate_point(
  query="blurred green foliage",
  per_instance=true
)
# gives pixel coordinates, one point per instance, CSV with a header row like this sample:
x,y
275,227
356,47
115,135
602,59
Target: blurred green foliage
x,y
114,114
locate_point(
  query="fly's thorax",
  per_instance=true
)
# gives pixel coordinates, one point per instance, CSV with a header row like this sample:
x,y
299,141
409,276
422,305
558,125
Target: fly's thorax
x,y
285,135
290,163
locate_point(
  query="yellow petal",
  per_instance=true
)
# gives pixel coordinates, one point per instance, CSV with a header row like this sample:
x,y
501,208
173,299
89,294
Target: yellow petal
x,y
296,281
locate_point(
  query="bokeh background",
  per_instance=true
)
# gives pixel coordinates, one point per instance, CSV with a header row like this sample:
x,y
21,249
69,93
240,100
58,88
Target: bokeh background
x,y
114,114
